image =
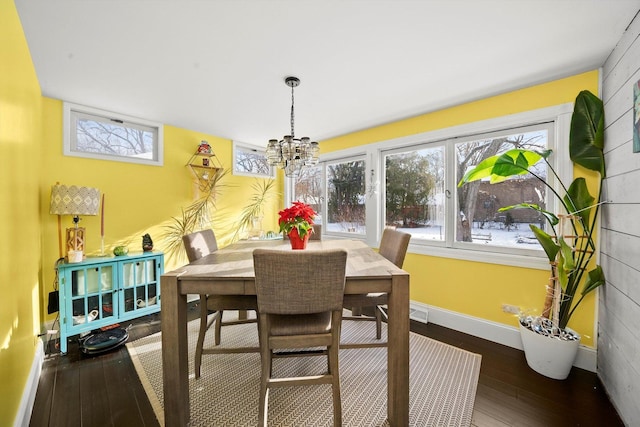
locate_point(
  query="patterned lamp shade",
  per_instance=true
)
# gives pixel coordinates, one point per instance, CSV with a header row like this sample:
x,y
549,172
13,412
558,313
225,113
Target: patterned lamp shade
x,y
74,200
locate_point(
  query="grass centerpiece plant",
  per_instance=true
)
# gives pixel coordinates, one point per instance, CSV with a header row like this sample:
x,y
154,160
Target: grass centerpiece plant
x,y
569,244
297,222
252,213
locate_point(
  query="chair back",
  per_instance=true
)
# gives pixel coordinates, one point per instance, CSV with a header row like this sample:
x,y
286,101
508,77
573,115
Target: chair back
x,y
199,244
317,232
299,282
393,246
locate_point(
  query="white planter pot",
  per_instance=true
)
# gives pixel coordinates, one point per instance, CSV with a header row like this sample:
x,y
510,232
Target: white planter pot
x,y
548,356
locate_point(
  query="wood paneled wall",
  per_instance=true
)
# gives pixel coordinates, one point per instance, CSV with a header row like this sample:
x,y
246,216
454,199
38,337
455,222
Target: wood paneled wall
x,y
619,302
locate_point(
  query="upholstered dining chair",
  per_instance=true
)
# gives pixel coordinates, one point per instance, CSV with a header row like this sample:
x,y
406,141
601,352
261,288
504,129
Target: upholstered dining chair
x,y
393,246
300,297
317,232
197,245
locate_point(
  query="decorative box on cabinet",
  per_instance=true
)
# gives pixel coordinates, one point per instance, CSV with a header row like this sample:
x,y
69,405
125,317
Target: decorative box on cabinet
x,y
103,291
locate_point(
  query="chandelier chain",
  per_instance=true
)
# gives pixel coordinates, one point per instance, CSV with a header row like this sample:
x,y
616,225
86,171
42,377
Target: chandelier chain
x,y
292,115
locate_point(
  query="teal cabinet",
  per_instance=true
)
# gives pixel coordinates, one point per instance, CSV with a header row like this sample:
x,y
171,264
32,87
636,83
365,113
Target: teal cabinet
x,y
102,291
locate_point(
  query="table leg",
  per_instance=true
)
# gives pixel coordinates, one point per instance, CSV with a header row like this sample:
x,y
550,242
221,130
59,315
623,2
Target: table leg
x,y
174,352
398,352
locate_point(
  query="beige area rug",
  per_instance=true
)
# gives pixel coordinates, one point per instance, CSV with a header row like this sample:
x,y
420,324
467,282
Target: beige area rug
x,y
443,381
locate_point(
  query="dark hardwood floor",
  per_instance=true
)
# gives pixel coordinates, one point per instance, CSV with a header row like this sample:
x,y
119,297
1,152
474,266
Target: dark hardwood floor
x,y
104,390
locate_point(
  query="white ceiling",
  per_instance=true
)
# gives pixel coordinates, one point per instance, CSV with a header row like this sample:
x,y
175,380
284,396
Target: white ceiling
x,y
218,67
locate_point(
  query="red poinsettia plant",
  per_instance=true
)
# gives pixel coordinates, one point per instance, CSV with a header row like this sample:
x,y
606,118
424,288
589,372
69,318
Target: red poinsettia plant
x,y
299,216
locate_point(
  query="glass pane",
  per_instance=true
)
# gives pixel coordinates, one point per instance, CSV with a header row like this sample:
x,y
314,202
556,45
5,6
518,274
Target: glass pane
x,y
129,301
152,290
414,192
251,161
93,280
79,311
85,310
107,305
479,220
127,275
139,275
308,189
151,270
78,283
346,197
141,297
112,138
146,296
106,278
133,274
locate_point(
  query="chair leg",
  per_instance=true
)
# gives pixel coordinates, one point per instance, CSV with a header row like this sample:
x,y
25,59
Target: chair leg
x,y
378,322
265,373
204,325
218,327
334,370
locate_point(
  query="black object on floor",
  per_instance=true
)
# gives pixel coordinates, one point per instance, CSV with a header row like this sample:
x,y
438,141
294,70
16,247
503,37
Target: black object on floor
x,y
104,341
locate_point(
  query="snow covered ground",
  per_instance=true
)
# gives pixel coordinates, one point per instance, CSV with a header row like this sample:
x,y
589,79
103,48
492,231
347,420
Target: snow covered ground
x,y
519,235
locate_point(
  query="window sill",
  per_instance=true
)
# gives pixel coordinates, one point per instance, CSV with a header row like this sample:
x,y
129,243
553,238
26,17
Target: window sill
x,y
511,260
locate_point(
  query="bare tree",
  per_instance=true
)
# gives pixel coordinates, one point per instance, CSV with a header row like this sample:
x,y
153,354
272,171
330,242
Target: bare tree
x,y
472,153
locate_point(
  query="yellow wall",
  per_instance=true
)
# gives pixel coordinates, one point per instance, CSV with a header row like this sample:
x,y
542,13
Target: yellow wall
x,y
139,199
20,177
143,199
473,288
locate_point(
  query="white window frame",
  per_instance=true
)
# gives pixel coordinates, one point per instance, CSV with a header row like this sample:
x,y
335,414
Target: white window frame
x,y
243,146
551,202
72,111
560,115
325,205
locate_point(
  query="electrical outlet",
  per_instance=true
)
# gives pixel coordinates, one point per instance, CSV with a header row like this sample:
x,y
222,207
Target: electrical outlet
x,y
508,308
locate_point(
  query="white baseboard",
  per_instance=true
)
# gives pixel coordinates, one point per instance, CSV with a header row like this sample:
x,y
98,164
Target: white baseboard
x,y
495,332
23,417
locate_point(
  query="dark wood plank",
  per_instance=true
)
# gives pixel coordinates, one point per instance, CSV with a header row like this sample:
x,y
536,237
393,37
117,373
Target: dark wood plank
x,y
129,405
65,400
94,404
509,392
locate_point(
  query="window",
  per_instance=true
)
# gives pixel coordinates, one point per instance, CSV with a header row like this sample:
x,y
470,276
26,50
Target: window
x,y
309,189
414,191
251,161
97,134
410,183
479,220
346,209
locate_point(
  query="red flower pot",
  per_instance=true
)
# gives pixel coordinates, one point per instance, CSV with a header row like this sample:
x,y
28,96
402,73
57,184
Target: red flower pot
x,y
298,242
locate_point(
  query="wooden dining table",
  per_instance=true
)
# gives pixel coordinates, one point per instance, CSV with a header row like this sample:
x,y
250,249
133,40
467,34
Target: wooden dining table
x,y
229,271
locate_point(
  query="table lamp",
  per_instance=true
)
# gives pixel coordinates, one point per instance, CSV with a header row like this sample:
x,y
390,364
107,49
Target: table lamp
x,y
74,200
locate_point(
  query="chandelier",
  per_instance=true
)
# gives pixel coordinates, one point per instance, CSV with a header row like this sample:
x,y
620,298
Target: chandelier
x,y
291,153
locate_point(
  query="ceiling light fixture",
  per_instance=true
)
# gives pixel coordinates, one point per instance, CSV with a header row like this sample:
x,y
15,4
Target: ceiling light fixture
x,y
291,153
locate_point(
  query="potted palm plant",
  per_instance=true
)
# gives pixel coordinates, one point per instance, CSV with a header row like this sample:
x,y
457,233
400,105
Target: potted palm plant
x,y
569,242
197,216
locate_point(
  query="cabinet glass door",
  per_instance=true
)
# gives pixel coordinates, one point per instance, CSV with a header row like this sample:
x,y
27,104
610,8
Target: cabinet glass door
x,y
140,286
92,294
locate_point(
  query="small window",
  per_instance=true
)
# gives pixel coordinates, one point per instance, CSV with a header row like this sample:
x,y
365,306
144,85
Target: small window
x,y
250,160
97,134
